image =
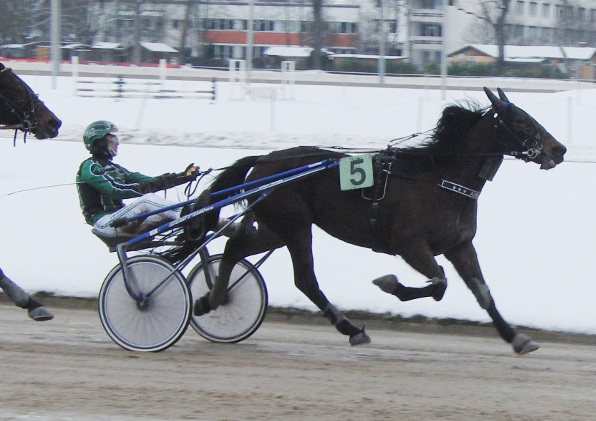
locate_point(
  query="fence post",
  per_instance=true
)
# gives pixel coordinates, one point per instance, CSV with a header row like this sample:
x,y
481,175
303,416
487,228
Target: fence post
x,y
569,120
75,73
119,86
162,69
237,77
287,78
213,90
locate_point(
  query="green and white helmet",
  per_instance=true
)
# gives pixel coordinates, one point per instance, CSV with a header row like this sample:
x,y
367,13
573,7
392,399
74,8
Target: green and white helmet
x,y
96,131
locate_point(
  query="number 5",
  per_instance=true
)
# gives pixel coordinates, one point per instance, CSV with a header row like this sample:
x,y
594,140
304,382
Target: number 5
x,y
357,172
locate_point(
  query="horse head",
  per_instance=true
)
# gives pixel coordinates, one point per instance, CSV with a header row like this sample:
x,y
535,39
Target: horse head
x,y
20,108
519,135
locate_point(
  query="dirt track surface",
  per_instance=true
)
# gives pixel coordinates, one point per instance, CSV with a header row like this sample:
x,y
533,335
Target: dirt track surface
x,y
68,369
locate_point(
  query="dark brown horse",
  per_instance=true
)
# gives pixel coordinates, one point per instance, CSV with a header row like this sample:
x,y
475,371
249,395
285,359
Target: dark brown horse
x,y
424,207
20,109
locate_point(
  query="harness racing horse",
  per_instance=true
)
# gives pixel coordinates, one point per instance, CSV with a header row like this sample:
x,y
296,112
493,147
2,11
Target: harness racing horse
x,y
20,109
429,208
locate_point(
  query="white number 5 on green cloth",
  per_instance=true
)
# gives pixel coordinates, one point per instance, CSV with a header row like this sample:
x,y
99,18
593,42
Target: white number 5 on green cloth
x,y
356,172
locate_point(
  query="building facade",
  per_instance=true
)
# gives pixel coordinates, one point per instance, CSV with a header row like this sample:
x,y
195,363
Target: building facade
x,y
423,31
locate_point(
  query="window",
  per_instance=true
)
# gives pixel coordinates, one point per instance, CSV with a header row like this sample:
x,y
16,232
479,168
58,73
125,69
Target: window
x,y
264,25
582,14
533,8
545,10
220,24
342,27
431,30
305,26
520,7
291,26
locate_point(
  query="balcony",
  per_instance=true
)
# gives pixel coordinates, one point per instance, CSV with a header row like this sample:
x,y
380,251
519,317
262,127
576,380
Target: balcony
x,y
426,15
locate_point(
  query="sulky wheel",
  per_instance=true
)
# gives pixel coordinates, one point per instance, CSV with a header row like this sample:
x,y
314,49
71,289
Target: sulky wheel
x,y
153,312
244,310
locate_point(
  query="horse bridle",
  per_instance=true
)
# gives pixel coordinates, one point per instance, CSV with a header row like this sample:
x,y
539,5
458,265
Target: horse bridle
x,y
25,109
532,139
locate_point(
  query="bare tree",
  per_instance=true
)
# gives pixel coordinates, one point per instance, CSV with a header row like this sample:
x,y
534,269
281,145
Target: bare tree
x,y
318,32
494,13
184,32
12,22
497,20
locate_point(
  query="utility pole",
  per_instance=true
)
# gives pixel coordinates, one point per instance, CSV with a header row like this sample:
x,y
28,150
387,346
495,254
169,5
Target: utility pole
x,y
249,40
136,48
444,51
55,53
382,42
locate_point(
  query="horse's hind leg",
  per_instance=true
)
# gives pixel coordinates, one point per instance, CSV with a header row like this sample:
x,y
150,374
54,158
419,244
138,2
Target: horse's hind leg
x,y
247,243
299,244
465,261
21,299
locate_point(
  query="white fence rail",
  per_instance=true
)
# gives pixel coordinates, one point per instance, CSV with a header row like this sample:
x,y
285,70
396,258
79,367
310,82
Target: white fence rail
x,y
131,88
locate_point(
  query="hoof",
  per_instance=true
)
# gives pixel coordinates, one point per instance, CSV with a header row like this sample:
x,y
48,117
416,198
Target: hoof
x,y
440,285
201,306
387,283
361,338
522,344
40,314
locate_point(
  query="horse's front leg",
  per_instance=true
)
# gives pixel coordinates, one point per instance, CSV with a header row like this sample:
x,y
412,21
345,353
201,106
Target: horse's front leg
x,y
420,257
22,299
465,261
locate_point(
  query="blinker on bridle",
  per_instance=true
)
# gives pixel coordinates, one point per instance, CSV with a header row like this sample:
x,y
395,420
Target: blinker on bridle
x,y
28,121
533,142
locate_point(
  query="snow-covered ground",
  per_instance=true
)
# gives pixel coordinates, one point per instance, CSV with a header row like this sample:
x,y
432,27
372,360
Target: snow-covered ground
x,y
536,228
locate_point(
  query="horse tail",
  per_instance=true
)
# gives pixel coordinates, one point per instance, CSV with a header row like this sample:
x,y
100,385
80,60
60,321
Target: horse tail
x,y
233,175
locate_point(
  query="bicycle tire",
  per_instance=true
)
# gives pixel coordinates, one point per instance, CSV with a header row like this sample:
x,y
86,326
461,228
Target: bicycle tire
x,y
245,309
160,323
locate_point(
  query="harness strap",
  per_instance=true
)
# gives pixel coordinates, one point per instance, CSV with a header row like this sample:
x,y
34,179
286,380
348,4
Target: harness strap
x,y
457,188
381,170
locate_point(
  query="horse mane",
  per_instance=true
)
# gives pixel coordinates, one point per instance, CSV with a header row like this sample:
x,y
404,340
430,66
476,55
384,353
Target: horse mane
x,y
449,136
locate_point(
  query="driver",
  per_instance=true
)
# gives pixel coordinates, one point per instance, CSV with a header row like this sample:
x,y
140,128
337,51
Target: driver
x,y
102,185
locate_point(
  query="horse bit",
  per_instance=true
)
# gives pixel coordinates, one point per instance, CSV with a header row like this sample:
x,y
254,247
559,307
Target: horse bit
x,y
28,120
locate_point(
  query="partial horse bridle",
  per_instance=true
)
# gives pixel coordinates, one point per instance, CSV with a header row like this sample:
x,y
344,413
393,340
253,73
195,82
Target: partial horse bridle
x,y
532,139
24,109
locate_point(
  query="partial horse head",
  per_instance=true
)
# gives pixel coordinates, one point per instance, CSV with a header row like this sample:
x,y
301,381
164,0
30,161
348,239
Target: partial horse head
x,y
519,135
20,108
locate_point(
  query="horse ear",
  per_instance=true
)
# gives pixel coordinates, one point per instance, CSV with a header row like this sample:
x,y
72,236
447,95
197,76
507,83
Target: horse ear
x,y
502,95
497,103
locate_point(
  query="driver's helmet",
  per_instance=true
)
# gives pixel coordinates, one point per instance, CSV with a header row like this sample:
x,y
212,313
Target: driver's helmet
x,y
96,131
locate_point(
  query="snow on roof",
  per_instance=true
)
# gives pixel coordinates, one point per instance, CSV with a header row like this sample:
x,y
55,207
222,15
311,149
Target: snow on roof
x,y
289,51
368,56
74,46
158,47
107,45
16,46
530,53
